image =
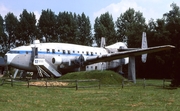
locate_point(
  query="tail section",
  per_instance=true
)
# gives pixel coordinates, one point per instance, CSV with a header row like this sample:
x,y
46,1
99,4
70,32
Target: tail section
x,y
143,46
131,65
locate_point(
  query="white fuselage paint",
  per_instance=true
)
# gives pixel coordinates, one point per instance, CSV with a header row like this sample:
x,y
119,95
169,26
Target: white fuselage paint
x,y
22,57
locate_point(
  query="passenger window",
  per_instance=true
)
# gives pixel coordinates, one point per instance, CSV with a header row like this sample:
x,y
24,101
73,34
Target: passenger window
x,y
53,50
69,52
91,53
64,52
48,51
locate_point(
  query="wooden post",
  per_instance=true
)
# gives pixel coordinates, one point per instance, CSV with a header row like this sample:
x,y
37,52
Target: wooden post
x,y
76,84
28,83
123,83
11,82
46,83
99,84
144,84
163,83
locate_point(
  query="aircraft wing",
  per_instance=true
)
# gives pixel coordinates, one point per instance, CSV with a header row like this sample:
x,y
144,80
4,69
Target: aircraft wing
x,y
123,54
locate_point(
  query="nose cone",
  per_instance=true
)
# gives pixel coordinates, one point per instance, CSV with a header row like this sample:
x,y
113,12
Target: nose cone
x,y
8,58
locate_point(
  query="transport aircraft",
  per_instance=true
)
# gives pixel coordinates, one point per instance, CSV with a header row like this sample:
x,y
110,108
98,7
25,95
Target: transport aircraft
x,y
56,59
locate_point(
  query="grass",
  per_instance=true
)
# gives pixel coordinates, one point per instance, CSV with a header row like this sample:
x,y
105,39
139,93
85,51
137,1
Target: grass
x,y
106,77
130,98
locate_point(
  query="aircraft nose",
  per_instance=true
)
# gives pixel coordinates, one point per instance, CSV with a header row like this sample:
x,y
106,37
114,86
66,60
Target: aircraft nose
x,y
7,59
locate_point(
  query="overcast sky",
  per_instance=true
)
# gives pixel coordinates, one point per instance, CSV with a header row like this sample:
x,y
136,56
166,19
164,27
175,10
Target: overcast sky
x,y
92,8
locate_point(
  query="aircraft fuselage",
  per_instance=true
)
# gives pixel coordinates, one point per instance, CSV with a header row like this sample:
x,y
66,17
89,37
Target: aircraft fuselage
x,y
62,56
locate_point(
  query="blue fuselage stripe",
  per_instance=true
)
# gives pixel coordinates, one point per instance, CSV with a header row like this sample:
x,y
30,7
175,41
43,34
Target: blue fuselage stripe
x,y
44,52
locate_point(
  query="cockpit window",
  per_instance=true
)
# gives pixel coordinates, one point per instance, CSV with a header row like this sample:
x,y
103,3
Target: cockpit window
x,y
53,50
14,52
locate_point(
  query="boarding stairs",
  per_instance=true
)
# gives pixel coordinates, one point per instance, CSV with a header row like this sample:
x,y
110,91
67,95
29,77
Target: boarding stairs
x,y
44,68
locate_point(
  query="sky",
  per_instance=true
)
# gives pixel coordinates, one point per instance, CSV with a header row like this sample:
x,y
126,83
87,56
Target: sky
x,y
92,8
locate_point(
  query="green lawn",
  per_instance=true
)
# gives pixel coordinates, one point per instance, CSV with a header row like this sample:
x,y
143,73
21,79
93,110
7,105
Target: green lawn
x,y
131,98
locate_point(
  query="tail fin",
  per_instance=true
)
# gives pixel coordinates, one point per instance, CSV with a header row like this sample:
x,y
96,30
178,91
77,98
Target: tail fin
x,y
143,46
103,42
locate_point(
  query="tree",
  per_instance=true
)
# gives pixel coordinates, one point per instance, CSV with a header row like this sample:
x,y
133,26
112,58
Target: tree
x,y
47,25
3,42
11,24
131,24
157,33
172,19
1,26
67,27
104,27
158,64
27,27
84,34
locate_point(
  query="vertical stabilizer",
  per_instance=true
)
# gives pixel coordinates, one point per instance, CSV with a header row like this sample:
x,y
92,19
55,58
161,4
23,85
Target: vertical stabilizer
x,y
103,42
143,46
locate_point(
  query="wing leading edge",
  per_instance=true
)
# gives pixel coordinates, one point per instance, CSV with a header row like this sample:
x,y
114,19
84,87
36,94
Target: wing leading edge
x,y
123,54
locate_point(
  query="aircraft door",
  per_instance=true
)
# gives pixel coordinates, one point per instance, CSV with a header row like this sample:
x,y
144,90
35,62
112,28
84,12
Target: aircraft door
x,y
34,53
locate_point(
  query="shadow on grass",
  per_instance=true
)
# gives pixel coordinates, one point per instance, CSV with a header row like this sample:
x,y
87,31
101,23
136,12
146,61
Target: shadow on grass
x,y
167,87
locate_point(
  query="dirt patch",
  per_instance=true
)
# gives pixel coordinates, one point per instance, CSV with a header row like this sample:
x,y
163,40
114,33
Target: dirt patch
x,y
43,83
1,75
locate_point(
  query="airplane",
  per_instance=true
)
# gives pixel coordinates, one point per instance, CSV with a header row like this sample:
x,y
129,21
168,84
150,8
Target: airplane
x,y
56,59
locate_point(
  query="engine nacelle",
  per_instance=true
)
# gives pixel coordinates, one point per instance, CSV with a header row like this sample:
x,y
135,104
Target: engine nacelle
x,y
57,60
80,60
